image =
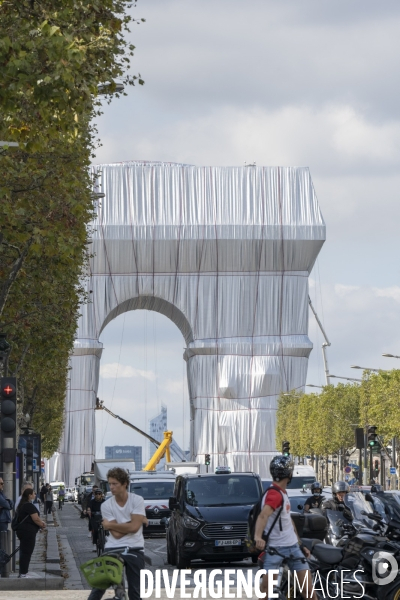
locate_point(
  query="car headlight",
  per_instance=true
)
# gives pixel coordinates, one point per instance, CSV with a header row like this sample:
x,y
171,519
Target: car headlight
x,y
190,523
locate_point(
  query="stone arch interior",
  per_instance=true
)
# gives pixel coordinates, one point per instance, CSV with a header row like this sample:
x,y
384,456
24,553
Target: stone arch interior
x,y
151,376
156,304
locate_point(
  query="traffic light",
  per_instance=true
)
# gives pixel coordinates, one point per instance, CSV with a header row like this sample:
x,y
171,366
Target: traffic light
x,y
8,411
372,436
286,448
29,458
207,459
376,464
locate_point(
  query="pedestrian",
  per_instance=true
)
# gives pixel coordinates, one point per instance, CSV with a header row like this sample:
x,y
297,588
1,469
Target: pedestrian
x,y
275,527
36,502
43,492
88,498
29,523
61,497
24,487
93,508
124,516
49,499
5,506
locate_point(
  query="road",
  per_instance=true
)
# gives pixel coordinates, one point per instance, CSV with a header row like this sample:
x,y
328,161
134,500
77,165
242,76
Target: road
x,y
74,533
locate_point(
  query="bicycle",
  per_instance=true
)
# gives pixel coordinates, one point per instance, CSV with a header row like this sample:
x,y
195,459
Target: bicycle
x,y
99,533
106,571
281,586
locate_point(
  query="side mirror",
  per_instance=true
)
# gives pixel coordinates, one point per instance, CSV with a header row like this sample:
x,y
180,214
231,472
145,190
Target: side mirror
x,y
173,503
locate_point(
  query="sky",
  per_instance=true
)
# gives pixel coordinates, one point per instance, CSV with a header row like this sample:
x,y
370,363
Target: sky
x,y
289,83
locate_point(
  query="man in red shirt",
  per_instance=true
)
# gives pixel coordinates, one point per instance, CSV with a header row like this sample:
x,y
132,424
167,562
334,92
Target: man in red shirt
x,y
274,523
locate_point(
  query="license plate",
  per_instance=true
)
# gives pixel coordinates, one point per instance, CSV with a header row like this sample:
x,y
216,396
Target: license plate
x,y
154,521
228,542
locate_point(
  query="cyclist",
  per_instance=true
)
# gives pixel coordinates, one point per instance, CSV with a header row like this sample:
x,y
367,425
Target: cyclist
x,y
61,497
94,507
275,525
316,499
123,516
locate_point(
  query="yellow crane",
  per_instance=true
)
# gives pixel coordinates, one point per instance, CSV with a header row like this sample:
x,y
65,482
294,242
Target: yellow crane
x,y
163,448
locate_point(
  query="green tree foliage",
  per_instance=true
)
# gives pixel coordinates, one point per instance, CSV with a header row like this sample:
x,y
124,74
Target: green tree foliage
x,y
319,424
54,57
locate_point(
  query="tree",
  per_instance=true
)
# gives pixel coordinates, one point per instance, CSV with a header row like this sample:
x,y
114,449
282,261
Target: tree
x,y
54,56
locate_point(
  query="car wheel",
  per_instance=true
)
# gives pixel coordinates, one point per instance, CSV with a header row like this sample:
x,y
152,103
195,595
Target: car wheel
x,y
171,552
181,561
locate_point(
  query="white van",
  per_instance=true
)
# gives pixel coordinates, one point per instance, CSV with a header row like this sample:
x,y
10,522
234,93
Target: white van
x,y
303,477
55,486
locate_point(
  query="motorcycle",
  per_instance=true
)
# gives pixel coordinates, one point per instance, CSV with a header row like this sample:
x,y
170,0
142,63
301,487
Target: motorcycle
x,y
362,558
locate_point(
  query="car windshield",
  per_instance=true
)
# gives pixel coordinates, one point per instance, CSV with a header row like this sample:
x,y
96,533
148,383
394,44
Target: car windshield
x,y
153,490
299,483
222,490
87,479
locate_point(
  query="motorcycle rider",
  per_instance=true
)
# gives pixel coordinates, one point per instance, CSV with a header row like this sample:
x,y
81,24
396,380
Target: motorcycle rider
x,y
339,490
316,499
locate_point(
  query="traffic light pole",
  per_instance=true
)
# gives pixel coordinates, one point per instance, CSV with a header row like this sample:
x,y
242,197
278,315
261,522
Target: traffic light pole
x,y
365,471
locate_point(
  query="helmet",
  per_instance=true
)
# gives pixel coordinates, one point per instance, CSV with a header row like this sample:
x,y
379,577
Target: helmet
x,y
281,467
376,488
316,486
340,486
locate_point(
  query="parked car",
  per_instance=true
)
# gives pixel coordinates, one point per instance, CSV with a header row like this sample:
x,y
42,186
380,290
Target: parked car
x,y
69,495
156,489
209,517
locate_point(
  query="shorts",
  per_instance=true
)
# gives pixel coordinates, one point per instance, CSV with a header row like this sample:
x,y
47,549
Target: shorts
x,y
297,560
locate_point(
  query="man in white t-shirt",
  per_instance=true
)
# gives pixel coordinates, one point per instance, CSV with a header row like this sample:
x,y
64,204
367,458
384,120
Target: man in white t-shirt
x,y
124,516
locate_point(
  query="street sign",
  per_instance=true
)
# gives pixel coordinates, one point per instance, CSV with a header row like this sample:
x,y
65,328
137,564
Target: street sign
x,y
346,477
393,470
42,464
35,467
347,469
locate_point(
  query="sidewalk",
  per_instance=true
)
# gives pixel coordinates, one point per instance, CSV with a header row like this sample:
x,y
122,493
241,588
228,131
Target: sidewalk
x,y
45,565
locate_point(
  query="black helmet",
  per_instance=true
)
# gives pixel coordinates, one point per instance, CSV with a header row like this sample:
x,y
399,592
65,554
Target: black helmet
x,y
376,488
281,467
316,486
340,486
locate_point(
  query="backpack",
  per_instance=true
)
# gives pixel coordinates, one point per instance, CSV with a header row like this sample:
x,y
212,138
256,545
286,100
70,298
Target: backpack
x,y
15,523
252,520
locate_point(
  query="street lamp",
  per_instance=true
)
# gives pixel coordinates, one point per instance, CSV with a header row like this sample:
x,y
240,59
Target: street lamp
x,y
104,88
368,369
390,355
347,378
316,386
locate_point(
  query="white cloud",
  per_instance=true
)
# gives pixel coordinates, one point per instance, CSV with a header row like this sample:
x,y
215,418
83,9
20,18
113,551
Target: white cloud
x,y
389,292
112,370
343,290
174,386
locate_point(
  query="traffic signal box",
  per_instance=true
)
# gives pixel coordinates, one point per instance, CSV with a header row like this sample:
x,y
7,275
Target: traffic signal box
x,y
372,436
207,460
8,410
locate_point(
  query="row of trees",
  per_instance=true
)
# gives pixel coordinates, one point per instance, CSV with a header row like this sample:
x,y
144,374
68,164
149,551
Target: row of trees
x,y
322,424
54,57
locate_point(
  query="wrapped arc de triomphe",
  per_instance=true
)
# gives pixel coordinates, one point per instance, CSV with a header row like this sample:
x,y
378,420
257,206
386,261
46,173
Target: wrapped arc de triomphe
x,y
225,253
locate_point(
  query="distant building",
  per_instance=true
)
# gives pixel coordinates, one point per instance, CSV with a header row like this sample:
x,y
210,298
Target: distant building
x,y
132,452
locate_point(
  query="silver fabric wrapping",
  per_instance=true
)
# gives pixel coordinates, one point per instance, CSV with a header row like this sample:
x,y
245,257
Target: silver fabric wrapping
x,y
225,253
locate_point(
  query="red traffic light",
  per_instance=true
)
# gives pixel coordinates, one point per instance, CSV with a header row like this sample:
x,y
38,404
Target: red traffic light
x,y
7,390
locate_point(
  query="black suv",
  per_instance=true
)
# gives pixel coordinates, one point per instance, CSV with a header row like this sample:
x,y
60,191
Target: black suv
x,y
209,517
